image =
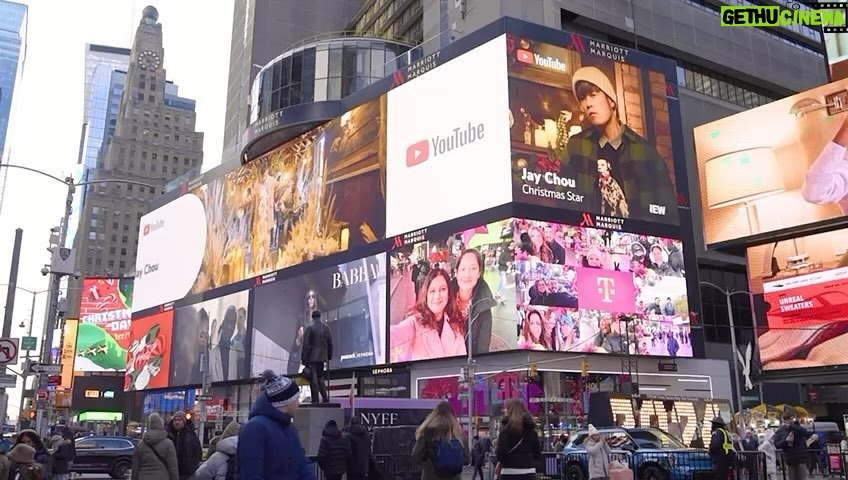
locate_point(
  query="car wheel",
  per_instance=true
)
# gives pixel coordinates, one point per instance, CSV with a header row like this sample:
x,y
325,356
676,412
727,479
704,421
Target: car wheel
x,y
653,472
120,469
574,472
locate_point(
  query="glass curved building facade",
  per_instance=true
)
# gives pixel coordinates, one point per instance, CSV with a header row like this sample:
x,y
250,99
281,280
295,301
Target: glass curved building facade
x,y
326,70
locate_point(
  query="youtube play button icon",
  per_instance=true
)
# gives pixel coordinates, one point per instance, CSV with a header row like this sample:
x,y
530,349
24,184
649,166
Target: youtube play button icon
x,y
417,153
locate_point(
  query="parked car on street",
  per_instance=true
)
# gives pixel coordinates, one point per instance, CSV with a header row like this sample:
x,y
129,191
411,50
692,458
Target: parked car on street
x,y
651,453
100,454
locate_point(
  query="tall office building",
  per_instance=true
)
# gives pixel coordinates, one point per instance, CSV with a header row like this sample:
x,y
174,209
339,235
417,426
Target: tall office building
x,y
13,35
100,62
262,30
154,140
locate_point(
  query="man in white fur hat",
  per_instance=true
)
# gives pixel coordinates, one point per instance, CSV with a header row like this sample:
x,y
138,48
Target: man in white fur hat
x,y
635,163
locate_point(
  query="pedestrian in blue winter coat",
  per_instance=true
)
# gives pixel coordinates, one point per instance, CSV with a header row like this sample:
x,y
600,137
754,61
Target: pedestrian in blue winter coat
x,y
269,446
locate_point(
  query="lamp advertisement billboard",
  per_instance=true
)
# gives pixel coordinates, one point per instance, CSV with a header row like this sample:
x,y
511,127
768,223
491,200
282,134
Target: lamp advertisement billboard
x,y
352,300
775,168
103,335
318,194
593,128
800,289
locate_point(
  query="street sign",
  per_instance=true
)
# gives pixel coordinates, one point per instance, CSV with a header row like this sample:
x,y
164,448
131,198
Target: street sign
x,y
29,343
7,380
42,395
203,398
8,350
37,368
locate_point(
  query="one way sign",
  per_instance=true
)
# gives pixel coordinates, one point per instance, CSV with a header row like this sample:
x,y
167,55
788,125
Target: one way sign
x,y
37,368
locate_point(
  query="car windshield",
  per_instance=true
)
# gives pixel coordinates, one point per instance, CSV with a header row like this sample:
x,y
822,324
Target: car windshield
x,y
654,438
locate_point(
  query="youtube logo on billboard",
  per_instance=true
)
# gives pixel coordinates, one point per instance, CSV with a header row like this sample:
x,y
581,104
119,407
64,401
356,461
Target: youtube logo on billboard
x,y
417,153
451,138
526,56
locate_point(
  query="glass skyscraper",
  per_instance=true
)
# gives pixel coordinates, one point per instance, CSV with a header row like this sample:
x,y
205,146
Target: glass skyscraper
x,y
13,22
12,53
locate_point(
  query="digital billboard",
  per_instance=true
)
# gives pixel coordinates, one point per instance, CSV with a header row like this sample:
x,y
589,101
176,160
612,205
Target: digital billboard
x,y
800,289
775,168
103,335
216,329
318,194
836,45
448,130
98,393
591,129
149,355
68,353
574,283
352,300
526,284
443,283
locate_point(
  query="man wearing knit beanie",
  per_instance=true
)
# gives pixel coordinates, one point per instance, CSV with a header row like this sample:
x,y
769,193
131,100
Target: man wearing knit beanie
x,y
270,431
189,450
617,171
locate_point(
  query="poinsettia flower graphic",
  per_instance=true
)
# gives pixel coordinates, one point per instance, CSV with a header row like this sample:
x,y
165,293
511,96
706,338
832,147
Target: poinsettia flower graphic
x,y
441,388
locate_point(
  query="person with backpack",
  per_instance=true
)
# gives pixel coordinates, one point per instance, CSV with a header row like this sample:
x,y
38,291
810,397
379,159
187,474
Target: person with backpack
x,y
518,447
359,462
222,465
333,452
155,457
24,466
439,445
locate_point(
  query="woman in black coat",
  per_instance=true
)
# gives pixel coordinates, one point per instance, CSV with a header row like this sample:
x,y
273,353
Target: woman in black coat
x,y
334,452
518,447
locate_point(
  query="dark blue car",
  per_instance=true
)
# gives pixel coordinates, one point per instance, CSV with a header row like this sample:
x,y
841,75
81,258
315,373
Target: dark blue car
x,y
651,453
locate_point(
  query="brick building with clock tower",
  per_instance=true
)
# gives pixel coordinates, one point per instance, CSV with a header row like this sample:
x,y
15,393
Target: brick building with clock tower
x,y
150,137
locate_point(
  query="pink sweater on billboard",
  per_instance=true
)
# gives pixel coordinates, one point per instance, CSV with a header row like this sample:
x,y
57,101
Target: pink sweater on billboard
x,y
827,179
410,341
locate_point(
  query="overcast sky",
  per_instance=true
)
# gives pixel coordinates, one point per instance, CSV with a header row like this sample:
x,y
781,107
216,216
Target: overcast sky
x,y
45,128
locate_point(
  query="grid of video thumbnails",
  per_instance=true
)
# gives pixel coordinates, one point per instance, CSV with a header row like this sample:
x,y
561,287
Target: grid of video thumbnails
x,y
590,290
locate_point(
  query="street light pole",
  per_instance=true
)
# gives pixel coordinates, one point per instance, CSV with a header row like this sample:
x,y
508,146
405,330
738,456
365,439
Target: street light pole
x,y
469,368
727,296
55,284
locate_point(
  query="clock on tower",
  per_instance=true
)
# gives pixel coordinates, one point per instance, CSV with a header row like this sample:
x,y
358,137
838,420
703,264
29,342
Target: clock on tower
x,y
149,60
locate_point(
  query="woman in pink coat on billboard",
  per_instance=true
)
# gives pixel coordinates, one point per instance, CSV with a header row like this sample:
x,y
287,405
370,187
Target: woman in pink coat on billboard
x,y
433,328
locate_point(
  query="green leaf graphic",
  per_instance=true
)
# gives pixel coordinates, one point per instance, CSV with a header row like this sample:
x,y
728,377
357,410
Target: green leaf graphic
x,y
97,345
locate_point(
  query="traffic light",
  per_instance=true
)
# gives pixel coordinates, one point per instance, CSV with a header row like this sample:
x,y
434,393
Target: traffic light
x,y
584,368
534,370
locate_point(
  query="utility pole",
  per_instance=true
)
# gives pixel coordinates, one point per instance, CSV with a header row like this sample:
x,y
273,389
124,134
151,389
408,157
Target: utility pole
x,y
201,404
10,307
53,303
25,368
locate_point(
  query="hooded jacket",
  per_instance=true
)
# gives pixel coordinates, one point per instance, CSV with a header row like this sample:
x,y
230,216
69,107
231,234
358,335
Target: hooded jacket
x,y
146,465
187,445
334,451
269,446
215,467
360,451
42,456
63,455
794,452
511,454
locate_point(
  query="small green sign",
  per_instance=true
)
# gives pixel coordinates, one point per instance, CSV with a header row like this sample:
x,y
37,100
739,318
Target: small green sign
x,y
28,343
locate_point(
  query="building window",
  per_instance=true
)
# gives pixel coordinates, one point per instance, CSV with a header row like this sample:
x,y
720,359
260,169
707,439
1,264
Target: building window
x,y
124,239
111,250
123,251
